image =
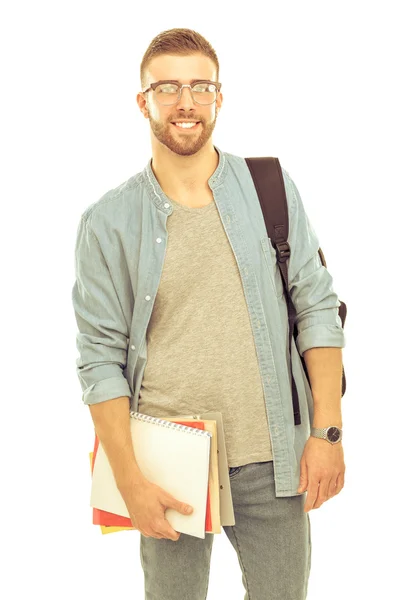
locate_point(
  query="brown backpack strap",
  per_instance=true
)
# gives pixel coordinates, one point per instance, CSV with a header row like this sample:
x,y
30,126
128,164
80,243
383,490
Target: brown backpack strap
x,y
268,181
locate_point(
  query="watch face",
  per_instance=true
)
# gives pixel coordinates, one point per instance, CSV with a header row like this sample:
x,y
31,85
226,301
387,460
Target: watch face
x,y
333,434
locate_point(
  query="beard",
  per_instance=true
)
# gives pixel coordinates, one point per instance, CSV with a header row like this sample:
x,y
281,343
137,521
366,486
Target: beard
x,y
184,144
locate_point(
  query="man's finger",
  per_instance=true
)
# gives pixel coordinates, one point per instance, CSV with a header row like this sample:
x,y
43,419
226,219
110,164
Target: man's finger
x,y
322,491
340,482
312,494
332,486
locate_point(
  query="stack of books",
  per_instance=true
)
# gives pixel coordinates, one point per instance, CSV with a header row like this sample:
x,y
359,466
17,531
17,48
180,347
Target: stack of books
x,y
185,456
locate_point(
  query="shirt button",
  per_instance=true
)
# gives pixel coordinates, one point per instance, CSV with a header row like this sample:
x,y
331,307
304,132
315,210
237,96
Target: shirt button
x,y
166,205
158,240
133,347
148,297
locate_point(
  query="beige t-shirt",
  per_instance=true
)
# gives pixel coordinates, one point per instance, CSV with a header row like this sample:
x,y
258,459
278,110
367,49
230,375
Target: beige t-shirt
x,y
201,354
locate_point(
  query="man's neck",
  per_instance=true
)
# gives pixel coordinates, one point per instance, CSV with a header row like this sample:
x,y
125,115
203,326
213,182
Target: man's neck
x,y
181,177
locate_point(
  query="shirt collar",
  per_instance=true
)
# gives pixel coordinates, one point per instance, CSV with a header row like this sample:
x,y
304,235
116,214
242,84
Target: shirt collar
x,y
161,199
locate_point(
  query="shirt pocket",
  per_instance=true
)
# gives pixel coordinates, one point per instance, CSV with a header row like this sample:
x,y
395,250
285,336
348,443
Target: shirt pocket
x,y
272,265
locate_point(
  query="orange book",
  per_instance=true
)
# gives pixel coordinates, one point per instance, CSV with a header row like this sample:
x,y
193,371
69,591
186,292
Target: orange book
x,y
118,522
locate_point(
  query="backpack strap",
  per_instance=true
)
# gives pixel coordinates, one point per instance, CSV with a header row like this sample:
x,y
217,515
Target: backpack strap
x,y
268,181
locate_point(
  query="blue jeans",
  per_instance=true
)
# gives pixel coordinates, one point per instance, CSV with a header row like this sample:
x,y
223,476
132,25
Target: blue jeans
x,y
271,537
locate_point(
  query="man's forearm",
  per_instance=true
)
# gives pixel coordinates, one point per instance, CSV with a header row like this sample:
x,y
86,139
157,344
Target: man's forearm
x,y
324,367
112,426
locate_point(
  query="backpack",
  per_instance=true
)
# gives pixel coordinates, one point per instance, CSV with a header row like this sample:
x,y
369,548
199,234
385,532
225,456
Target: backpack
x,y
268,181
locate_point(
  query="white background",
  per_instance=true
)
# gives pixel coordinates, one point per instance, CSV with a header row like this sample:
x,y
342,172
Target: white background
x,y
322,96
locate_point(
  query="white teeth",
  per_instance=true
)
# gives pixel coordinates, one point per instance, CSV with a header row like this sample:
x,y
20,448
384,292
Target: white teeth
x,y
185,125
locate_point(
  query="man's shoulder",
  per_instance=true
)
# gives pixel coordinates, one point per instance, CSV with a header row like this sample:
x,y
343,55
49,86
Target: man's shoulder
x,y
114,199
238,164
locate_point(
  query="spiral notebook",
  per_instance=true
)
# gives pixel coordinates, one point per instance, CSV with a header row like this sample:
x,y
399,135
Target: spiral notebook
x,y
215,511
175,457
110,522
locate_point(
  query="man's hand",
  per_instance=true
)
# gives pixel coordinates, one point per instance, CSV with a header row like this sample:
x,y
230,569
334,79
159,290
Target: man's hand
x,y
322,471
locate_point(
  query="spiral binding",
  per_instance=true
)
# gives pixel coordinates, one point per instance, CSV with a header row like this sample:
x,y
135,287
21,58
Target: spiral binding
x,y
169,424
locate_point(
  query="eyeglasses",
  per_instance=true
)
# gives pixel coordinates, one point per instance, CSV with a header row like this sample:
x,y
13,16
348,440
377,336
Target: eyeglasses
x,y
168,92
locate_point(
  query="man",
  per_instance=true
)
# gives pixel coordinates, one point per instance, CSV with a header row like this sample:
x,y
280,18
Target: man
x,y
181,310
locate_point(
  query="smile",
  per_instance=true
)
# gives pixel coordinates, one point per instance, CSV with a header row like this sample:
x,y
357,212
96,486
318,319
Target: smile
x,y
186,128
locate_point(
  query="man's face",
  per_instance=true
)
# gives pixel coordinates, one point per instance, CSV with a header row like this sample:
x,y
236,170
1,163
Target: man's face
x,y
184,142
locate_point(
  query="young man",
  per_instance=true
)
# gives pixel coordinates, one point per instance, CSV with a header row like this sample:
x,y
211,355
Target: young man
x,y
181,310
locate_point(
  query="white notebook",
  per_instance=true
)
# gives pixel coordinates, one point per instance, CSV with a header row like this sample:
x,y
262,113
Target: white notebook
x,y
173,456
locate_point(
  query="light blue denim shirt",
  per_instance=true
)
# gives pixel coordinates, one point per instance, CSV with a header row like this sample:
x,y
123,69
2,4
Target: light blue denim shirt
x,y
119,255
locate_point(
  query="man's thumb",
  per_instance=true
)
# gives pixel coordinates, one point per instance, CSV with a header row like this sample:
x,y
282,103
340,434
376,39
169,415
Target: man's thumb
x,y
182,507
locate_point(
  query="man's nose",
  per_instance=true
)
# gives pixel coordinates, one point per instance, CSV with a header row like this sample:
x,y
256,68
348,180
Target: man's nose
x,y
186,98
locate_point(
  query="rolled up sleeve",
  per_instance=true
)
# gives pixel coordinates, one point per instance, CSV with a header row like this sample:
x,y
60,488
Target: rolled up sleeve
x,y
102,336
310,283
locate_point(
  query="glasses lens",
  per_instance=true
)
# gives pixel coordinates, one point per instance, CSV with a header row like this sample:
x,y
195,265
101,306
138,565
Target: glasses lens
x,y
167,93
203,93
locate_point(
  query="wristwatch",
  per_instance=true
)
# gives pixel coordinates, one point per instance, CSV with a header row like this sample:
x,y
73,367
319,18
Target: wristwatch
x,y
332,433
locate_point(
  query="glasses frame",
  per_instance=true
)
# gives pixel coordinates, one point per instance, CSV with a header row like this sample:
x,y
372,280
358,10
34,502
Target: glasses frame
x,y
153,86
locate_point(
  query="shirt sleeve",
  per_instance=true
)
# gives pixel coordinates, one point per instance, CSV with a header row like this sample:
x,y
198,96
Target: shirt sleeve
x,y
102,337
310,283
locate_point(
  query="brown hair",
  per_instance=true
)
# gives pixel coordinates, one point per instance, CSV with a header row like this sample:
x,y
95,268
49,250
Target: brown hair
x,y
180,42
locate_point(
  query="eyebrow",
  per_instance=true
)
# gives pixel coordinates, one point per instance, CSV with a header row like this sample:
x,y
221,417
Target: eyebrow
x,y
191,81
